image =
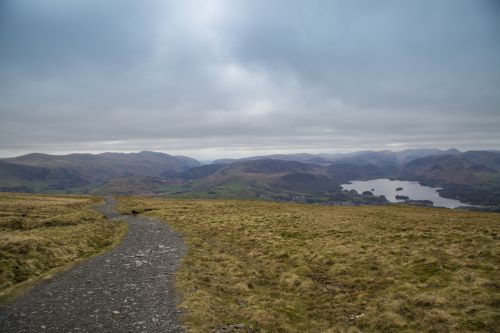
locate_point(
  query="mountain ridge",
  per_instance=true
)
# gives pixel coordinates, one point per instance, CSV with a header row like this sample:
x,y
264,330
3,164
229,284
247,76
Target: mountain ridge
x,y
86,170
473,176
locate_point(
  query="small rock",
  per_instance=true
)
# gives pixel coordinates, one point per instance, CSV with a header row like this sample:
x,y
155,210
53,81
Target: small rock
x,y
354,317
116,312
234,328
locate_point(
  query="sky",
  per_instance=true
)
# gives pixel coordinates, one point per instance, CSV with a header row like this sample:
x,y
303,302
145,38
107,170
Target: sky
x,y
215,78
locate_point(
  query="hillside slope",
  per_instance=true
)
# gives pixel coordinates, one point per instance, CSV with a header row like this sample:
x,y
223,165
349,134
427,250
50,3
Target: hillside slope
x,y
278,267
274,179
39,233
78,172
471,176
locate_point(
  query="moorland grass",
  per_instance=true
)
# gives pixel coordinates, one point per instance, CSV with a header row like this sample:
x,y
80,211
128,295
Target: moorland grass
x,y
280,267
43,233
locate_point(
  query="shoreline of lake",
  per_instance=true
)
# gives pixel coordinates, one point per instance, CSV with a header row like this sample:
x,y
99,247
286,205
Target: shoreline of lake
x,y
411,189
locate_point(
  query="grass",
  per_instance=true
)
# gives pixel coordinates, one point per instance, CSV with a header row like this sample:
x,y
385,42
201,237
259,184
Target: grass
x,y
303,268
41,234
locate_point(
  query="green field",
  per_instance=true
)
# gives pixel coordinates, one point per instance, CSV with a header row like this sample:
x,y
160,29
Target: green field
x,y
43,233
305,268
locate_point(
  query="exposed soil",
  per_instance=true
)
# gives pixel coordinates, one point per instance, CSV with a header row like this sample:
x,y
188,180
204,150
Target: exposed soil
x,y
129,289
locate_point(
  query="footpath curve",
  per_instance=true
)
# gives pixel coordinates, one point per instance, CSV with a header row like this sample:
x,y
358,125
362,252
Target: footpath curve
x,y
129,289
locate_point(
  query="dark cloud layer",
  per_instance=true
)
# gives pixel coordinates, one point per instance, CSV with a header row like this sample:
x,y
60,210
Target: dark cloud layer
x,y
220,78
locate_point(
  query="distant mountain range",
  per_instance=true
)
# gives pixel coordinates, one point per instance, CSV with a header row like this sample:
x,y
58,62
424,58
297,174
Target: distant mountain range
x,y
379,158
472,176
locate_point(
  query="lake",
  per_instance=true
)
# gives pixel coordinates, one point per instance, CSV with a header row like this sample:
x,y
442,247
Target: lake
x,y
413,190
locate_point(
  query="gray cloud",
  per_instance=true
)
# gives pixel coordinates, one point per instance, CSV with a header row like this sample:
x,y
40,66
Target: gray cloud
x,y
217,77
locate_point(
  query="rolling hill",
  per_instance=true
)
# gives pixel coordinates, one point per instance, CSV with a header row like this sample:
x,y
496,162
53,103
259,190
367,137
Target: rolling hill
x,y
79,172
472,176
274,179
304,158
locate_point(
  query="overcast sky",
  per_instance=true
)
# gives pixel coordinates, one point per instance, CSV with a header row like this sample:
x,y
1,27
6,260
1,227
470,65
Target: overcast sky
x,y
214,78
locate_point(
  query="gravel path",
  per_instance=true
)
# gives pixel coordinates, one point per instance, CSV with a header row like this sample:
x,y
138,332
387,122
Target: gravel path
x,y
129,289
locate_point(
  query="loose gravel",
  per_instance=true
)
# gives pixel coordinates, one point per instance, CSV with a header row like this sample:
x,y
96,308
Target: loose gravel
x,y
129,289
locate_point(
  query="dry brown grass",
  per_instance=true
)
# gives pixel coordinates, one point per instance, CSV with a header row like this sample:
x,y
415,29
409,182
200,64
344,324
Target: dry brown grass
x,y
304,268
39,233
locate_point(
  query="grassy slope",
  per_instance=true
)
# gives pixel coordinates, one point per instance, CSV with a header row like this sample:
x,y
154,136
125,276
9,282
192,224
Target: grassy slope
x,y
304,268
39,233
231,189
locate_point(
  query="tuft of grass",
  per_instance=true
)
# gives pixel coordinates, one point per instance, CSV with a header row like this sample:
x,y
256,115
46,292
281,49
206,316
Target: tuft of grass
x,y
43,233
279,267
